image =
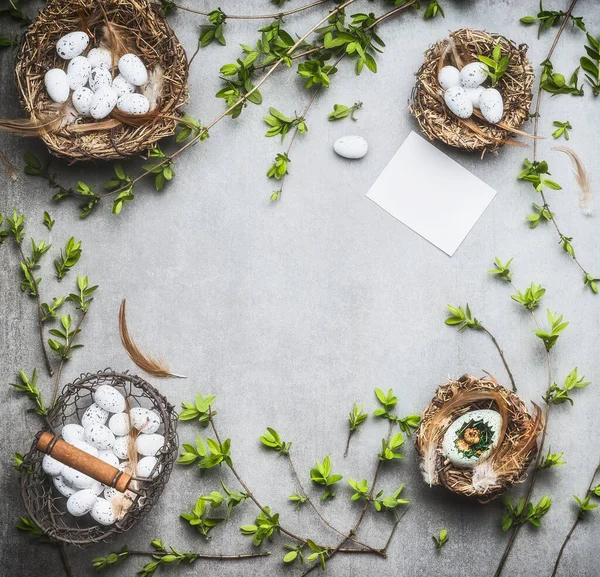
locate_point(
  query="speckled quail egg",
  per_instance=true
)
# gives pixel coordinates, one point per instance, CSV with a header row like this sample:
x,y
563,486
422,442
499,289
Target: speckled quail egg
x,y
106,396
491,105
72,432
82,100
133,104
100,58
94,413
472,75
99,436
122,86
63,487
102,512
458,101
119,424
449,76
144,420
72,44
51,466
78,72
81,502
133,69
99,78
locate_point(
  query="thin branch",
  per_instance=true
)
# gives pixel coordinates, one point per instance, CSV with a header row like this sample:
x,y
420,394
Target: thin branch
x,y
65,559
501,353
274,16
219,556
350,433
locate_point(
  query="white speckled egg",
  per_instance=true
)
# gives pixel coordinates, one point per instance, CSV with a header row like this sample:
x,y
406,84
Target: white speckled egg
x,y
63,487
449,76
102,512
51,466
78,72
82,99
100,58
119,424
133,104
133,69
122,86
472,75
491,105
99,436
458,102
86,447
110,494
482,420
81,502
76,479
72,44
109,457
145,466
351,146
149,445
57,85
144,420
99,78
72,432
94,413
97,487
120,447
106,396
475,94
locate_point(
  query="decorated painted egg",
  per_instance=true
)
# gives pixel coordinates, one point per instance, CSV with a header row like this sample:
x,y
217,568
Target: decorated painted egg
x,y
99,78
76,479
100,58
145,466
491,105
86,447
472,75
133,69
133,104
475,94
119,424
94,413
449,76
57,85
78,72
471,437
51,466
351,146
144,420
120,448
72,44
81,502
458,101
122,86
149,445
99,436
109,457
106,396
63,487
82,99
71,433
102,512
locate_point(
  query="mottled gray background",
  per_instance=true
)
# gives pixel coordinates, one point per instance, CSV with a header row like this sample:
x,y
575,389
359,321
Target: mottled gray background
x,y
289,312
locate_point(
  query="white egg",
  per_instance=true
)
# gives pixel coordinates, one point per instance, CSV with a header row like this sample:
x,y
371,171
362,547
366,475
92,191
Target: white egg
x,y
144,420
133,69
76,479
120,448
133,104
63,487
86,447
99,78
145,466
51,466
100,58
99,436
82,99
149,445
78,72
72,44
97,487
449,76
106,396
491,105
474,94
81,502
94,413
472,75
109,457
71,433
110,494
57,85
458,102
102,512
119,424
351,146
122,86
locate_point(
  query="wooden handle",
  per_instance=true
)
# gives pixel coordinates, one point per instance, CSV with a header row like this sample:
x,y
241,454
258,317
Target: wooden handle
x,y
83,462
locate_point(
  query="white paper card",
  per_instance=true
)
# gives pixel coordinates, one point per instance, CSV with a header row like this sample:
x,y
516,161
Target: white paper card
x,y
431,193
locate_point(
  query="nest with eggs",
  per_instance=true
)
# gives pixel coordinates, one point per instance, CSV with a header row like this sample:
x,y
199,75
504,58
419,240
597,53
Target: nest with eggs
x,y
511,454
122,26
461,48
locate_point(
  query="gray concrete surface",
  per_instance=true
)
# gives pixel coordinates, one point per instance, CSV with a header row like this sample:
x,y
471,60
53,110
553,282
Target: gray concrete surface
x,y
289,312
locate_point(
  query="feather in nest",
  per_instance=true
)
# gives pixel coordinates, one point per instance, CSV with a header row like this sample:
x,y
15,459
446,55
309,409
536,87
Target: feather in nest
x,y
53,118
582,178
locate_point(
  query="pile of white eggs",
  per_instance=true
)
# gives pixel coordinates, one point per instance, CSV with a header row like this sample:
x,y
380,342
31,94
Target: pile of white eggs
x,y
464,92
94,90
108,439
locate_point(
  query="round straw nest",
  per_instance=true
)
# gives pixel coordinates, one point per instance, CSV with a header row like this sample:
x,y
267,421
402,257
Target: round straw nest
x,y
459,49
122,26
505,465
48,508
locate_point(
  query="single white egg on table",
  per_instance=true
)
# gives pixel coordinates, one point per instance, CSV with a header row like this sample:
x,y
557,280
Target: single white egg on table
x,y
106,396
144,420
449,76
72,44
94,413
458,101
472,75
351,146
81,502
133,104
122,86
57,85
78,72
491,105
100,58
82,100
99,78
133,69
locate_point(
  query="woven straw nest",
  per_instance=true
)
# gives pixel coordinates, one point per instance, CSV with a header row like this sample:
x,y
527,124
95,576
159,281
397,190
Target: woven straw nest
x,y
122,26
506,464
459,49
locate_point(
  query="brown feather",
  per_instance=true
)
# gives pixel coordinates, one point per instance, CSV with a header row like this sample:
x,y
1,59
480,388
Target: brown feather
x,y
153,366
581,177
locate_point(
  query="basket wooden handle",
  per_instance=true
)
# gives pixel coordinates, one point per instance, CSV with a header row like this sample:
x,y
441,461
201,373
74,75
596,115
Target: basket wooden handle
x,y
83,462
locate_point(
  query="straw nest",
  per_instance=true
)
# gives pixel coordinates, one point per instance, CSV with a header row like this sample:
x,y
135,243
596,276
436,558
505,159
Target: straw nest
x,y
506,464
459,49
122,26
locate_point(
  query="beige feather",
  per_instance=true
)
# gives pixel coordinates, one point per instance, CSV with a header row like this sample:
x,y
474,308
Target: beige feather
x,y
582,178
54,118
153,89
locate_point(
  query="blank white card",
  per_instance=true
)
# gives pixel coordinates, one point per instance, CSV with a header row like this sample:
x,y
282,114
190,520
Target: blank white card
x,y
431,193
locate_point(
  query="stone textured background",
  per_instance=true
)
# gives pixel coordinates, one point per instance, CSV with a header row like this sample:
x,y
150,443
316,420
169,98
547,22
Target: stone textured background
x,y
291,311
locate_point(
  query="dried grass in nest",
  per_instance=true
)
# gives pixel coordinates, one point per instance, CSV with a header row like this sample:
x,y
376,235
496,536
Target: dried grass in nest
x,y
120,25
461,48
508,461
